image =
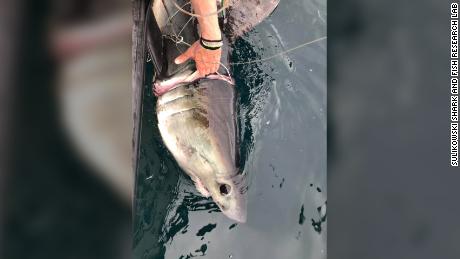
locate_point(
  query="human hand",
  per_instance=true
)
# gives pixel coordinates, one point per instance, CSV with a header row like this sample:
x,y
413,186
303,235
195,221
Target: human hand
x,y
207,61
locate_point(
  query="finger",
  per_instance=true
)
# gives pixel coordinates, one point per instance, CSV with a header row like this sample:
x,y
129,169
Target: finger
x,y
184,57
202,73
193,77
211,69
201,70
215,68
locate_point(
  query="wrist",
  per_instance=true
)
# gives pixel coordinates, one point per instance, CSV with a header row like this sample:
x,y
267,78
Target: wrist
x,y
213,34
211,44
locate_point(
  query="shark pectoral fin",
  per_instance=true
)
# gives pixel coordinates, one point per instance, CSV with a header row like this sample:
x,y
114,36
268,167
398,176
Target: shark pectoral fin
x,y
242,16
200,187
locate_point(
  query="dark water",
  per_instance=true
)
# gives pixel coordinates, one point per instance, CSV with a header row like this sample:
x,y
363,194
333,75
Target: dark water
x,y
282,120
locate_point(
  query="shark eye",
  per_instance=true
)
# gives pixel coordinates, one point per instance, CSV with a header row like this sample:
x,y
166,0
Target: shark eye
x,y
224,189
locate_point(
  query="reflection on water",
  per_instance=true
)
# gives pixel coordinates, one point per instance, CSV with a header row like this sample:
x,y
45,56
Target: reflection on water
x,y
282,126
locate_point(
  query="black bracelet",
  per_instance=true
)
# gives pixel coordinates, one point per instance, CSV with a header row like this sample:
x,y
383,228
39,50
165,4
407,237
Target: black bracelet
x,y
203,39
205,44
207,47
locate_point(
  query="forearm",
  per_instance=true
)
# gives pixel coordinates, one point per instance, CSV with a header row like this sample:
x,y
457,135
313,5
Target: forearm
x,y
209,25
206,56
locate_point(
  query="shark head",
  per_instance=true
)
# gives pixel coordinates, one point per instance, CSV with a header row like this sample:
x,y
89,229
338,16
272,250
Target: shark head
x,y
229,193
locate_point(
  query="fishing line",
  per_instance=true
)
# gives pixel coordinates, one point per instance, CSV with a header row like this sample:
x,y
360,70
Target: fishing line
x,y
270,57
176,38
225,6
172,16
180,40
279,53
191,18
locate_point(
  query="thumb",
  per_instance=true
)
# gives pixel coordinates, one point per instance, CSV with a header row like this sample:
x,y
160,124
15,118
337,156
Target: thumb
x,y
183,57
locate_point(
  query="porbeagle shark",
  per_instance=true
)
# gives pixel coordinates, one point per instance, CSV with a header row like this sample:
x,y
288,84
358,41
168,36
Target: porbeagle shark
x,y
197,116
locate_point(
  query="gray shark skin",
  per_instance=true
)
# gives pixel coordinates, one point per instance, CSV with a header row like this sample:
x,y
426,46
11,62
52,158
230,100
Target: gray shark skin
x,y
197,124
243,15
197,116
